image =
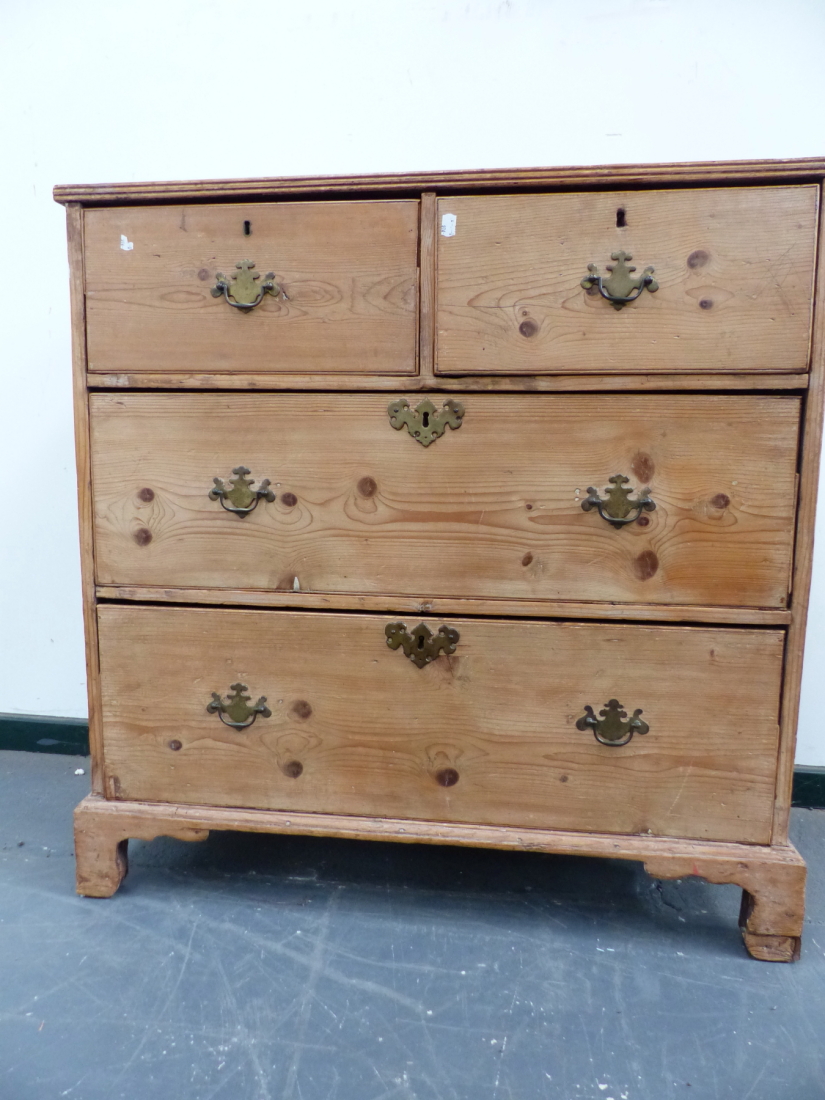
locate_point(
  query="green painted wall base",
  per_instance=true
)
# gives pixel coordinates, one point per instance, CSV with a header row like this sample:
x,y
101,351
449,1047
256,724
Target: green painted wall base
x,y
809,787
34,733
70,736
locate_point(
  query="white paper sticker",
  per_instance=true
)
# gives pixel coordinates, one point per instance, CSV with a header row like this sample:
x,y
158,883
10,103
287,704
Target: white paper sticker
x,y
448,225
125,243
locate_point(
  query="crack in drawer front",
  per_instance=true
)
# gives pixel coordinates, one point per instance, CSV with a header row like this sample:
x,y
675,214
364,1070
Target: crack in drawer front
x,y
732,268
330,498
492,730
345,274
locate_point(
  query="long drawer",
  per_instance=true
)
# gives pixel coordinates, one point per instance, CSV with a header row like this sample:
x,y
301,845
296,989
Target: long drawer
x,y
733,273
343,295
492,508
501,730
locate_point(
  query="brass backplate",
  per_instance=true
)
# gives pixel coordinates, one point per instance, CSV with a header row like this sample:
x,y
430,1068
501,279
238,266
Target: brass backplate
x,y
620,287
241,498
611,728
617,507
425,422
236,711
244,290
420,644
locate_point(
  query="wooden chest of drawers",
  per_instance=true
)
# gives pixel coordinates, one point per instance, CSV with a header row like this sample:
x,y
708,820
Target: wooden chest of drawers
x,y
472,509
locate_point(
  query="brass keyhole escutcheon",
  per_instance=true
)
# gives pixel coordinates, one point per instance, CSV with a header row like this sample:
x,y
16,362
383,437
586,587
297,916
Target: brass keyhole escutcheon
x,y
610,728
425,422
420,644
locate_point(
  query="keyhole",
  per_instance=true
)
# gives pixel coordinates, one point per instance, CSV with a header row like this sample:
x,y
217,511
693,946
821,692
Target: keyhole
x,y
425,420
247,228
621,220
420,642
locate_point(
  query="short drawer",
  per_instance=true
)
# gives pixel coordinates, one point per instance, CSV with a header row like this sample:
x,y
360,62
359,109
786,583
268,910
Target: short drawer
x,y
501,730
734,269
491,509
344,296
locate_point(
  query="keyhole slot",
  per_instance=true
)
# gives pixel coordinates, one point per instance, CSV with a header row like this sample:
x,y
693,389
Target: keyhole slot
x,y
621,220
247,229
425,420
420,642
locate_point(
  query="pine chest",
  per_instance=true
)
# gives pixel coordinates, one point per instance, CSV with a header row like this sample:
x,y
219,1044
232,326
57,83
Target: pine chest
x,y
471,508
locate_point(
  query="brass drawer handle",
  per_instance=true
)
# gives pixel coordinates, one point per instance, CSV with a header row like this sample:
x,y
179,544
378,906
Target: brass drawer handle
x,y
242,498
420,644
236,711
620,287
243,291
426,423
611,729
617,508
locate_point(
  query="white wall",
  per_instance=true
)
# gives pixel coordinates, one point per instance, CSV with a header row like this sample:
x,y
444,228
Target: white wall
x,y
179,89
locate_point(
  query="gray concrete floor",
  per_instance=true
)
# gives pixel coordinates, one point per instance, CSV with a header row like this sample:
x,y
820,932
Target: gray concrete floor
x,y
272,968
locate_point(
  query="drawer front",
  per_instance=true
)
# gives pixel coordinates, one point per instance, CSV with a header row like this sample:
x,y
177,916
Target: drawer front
x,y
492,509
734,269
346,270
494,733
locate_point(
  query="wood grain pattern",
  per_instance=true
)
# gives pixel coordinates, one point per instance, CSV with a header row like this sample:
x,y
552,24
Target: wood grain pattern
x,y
803,563
734,268
492,510
349,270
456,605
592,176
580,383
500,713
